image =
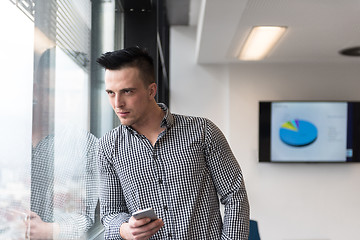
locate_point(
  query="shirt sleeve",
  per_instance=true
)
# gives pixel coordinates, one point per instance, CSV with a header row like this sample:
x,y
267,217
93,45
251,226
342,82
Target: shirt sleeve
x,y
75,224
229,183
72,226
113,210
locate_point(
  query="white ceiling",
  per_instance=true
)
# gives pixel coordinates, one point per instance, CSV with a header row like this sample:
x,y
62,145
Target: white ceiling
x,y
317,29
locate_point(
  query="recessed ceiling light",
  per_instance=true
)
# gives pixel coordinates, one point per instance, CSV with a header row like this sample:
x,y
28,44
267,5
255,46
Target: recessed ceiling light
x,y
260,41
353,52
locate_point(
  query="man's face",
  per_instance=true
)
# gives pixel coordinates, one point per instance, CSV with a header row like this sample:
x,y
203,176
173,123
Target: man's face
x,y
128,95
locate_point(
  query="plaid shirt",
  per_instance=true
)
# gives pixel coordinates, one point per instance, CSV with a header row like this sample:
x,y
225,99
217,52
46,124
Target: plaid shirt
x,y
181,177
64,181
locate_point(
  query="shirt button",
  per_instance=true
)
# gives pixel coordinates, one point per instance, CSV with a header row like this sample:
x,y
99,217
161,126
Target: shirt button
x,y
160,181
165,207
169,235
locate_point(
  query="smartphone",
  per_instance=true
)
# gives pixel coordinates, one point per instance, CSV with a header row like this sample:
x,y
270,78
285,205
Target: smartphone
x,y
146,213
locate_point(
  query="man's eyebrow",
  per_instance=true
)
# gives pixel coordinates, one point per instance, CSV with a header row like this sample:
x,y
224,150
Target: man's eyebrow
x,y
121,90
127,89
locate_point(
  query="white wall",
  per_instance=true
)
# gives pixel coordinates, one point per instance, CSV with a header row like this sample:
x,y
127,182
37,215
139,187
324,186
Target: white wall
x,y
289,201
198,90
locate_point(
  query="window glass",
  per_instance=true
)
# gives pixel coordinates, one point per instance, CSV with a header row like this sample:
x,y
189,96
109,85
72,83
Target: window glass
x,y
48,170
16,60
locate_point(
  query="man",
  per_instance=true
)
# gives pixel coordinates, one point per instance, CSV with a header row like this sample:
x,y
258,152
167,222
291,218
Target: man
x,y
178,165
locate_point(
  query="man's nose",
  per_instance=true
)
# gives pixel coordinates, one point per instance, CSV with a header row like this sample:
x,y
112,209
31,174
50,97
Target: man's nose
x,y
119,101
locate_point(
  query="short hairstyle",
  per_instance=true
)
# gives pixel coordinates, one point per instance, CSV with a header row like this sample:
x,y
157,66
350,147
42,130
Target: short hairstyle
x,y
130,57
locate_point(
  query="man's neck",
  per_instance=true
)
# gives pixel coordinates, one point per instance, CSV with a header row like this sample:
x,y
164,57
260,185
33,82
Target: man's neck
x,y
151,129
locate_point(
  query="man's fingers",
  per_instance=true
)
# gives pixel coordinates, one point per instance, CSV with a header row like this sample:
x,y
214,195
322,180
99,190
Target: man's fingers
x,y
156,227
134,223
147,230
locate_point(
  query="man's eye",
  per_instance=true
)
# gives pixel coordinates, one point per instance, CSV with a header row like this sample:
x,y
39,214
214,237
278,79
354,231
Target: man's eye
x,y
128,91
110,93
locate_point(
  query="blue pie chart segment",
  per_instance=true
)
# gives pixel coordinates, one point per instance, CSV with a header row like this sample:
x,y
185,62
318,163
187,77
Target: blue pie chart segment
x,y
298,133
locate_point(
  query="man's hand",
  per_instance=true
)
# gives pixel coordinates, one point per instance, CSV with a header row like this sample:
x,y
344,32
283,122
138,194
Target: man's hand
x,y
38,229
141,229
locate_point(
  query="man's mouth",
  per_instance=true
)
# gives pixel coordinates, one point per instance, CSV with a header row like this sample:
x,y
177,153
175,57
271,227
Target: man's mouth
x,y
122,113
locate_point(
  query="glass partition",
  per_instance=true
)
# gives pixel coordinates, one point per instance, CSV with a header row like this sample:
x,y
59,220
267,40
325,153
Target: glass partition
x,y
48,170
16,47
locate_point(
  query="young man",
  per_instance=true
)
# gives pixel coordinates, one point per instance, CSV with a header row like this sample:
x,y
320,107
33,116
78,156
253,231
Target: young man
x,y
178,165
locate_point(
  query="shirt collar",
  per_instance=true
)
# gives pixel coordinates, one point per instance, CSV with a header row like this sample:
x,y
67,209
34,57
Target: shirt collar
x,y
167,121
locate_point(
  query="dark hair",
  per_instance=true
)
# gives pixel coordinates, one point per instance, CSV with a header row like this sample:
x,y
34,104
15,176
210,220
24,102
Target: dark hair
x,y
130,57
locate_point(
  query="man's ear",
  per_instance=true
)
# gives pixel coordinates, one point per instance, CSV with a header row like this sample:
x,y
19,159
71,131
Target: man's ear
x,y
152,90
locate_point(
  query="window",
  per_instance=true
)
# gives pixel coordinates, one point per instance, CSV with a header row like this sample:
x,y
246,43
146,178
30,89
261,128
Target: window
x,y
16,111
53,108
48,169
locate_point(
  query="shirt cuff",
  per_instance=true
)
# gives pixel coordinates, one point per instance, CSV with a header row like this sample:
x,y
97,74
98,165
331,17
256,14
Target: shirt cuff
x,y
112,230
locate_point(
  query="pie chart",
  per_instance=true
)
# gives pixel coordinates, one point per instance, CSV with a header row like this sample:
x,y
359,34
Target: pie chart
x,y
298,133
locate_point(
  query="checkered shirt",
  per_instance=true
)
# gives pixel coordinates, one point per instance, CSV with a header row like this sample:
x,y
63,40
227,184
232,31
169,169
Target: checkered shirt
x,y
65,181
182,177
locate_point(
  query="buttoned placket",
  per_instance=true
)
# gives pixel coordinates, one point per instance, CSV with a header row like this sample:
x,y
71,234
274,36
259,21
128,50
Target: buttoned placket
x,y
159,174
162,183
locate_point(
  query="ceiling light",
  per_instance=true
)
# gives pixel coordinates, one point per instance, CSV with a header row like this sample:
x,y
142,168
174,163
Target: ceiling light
x,y
260,41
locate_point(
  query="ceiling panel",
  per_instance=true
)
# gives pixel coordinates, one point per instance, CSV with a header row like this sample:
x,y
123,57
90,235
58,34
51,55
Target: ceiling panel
x,y
317,30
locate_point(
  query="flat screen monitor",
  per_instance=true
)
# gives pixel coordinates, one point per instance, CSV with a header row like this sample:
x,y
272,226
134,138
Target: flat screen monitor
x,y
309,131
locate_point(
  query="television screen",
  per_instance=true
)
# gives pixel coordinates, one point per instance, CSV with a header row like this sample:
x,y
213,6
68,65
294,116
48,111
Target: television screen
x,y
304,131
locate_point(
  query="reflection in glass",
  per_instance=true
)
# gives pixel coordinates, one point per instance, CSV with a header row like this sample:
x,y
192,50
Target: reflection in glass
x,y
48,171
64,183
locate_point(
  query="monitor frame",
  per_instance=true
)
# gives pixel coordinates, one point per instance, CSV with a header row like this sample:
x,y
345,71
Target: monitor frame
x,y
353,131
